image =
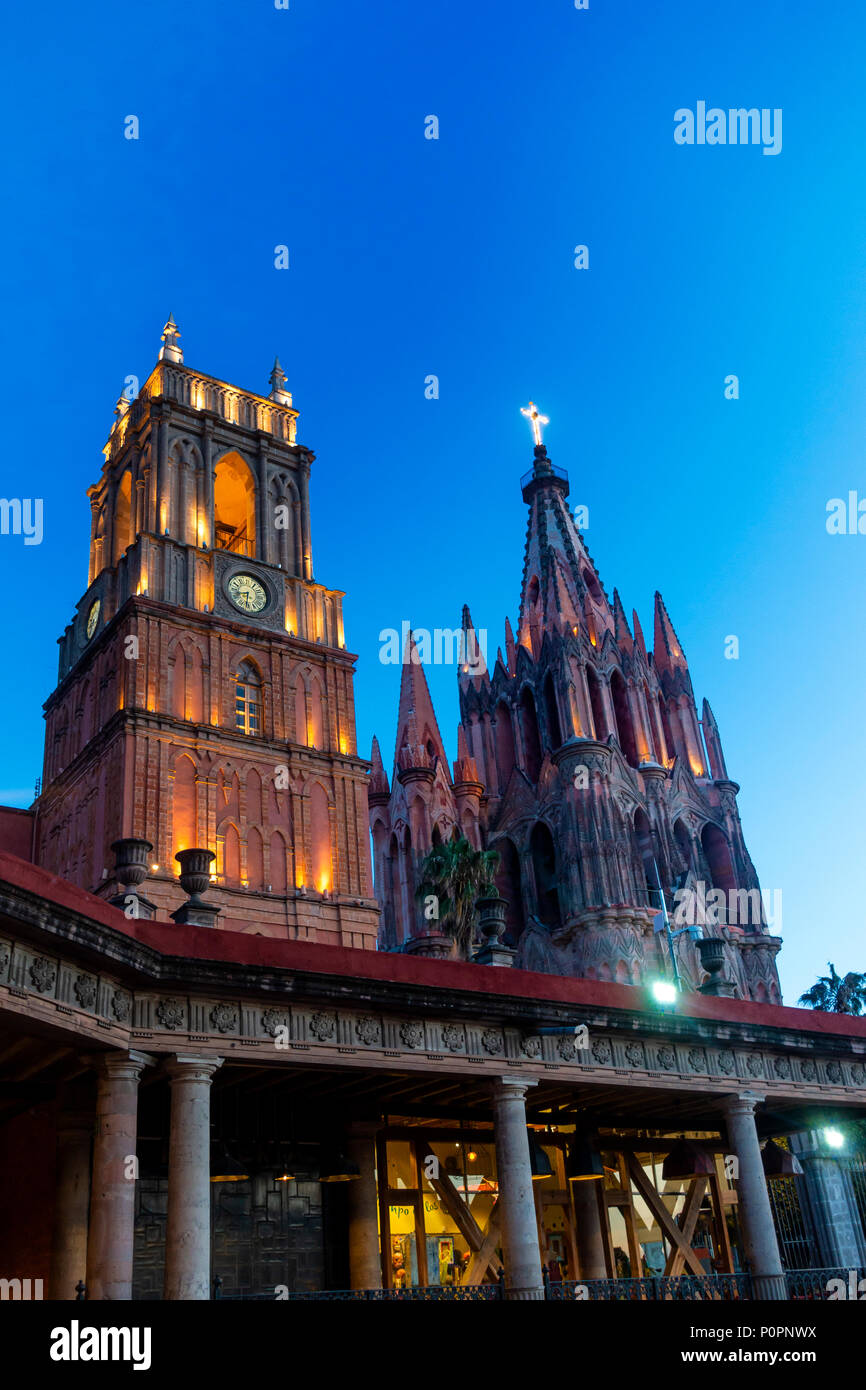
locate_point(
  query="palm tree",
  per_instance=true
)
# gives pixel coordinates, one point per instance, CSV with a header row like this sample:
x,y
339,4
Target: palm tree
x,y
457,875
836,995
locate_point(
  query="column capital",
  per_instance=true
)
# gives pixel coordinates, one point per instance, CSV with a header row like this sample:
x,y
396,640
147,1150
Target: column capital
x,y
124,1066
742,1103
512,1087
185,1067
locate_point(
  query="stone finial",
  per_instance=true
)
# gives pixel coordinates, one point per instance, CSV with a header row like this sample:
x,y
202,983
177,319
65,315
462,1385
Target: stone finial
x,y
171,350
195,865
277,381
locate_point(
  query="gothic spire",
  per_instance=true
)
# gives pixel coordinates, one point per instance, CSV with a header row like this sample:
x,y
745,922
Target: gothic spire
x,y
668,654
472,661
718,768
419,741
622,633
377,787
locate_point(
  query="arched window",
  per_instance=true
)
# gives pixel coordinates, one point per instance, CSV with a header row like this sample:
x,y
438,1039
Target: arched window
x,y
183,804
552,712
255,859
645,855
278,864
232,854
544,865
508,884
320,838
504,745
248,699
531,740
622,713
123,536
234,502
666,726
596,705
718,856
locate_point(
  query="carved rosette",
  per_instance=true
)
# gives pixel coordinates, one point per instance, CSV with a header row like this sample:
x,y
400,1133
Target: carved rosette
x,y
323,1026
666,1057
452,1037
634,1054
727,1063
224,1017
601,1051
411,1034
532,1047
273,1020
368,1030
808,1069
171,1013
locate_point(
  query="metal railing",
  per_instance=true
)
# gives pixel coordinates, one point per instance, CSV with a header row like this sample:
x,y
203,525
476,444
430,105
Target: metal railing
x,y
684,1288
431,1293
814,1284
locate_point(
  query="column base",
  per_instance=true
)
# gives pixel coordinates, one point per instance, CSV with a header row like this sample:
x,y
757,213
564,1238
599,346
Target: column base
x,y
769,1286
531,1294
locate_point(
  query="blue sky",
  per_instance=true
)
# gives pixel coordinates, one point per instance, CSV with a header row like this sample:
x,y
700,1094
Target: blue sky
x,y
455,257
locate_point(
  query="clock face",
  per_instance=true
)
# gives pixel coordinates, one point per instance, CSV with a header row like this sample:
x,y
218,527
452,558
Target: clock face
x,y
247,593
92,618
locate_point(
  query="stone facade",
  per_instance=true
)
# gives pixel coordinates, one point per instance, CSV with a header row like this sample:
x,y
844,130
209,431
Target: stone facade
x,y
204,486
583,761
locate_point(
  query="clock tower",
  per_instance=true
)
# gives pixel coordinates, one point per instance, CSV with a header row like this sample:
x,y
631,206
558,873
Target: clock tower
x,y
205,693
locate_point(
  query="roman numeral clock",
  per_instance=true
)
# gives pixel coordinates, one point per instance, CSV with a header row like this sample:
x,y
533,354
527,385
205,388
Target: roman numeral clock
x,y
244,588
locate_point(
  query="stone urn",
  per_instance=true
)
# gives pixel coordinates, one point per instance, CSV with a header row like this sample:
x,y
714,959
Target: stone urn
x,y
491,925
194,871
711,950
491,918
131,861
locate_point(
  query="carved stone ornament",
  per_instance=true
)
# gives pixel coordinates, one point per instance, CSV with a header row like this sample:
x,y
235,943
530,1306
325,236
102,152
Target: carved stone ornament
x,y
121,1005
634,1054
601,1051
323,1026
808,1069
491,1041
667,1058
727,1063
755,1064
224,1017
85,991
782,1068
5,953
368,1031
171,1013
43,973
273,1020
834,1073
697,1059
858,1074
567,1049
452,1036
532,1047
412,1034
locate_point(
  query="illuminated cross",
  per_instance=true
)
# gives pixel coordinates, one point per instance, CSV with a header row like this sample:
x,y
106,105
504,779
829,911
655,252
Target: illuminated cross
x,y
535,420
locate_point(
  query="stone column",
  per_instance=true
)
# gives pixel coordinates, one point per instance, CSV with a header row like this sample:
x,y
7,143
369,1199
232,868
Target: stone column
x,y
112,1193
71,1204
519,1228
187,1235
830,1202
365,1266
588,1229
754,1211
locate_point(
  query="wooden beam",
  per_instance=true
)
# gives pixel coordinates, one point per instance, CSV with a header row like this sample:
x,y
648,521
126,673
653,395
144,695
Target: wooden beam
x,y
694,1196
662,1215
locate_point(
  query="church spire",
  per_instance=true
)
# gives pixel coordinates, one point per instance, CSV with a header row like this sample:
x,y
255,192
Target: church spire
x,y
171,350
473,665
377,787
668,654
419,742
622,634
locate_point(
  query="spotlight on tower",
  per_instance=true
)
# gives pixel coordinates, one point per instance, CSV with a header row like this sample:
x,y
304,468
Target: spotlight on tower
x,y
664,992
